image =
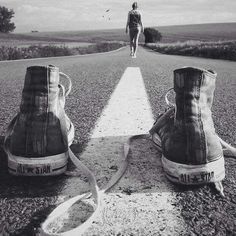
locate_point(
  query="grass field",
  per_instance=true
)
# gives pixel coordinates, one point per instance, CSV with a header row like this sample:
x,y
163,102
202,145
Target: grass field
x,y
67,37
21,40
201,32
216,50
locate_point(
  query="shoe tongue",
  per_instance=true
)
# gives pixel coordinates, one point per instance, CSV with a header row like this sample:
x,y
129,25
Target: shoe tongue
x,y
41,78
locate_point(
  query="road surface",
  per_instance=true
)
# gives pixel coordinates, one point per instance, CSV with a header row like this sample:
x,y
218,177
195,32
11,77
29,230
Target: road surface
x,y
107,105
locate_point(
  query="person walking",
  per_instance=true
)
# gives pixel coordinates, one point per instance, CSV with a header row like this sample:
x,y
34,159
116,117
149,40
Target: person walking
x,y
134,26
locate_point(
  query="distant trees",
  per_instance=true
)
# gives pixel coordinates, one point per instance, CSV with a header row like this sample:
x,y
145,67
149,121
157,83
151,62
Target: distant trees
x,y
6,25
152,35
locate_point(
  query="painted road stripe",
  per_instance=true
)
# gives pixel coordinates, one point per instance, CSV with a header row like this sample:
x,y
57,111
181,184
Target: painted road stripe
x,y
128,112
142,203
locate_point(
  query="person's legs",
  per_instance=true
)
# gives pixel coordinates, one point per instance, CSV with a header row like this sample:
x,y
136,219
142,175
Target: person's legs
x,y
131,47
131,35
136,37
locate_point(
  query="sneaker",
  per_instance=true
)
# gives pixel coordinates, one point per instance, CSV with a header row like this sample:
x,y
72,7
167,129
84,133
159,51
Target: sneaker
x,y
192,152
37,139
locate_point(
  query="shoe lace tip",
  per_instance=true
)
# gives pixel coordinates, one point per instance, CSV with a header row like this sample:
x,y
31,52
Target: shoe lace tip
x,y
219,187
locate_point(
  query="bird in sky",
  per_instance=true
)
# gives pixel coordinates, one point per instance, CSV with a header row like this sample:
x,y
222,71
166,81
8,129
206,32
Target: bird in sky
x,y
108,18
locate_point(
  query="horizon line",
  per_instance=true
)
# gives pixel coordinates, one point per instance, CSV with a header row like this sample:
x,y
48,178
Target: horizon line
x,y
120,28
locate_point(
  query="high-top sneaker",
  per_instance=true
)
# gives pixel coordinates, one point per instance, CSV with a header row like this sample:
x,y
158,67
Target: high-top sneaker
x,y
192,152
37,139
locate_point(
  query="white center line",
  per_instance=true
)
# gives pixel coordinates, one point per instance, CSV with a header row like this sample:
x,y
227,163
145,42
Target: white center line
x,y
142,202
128,111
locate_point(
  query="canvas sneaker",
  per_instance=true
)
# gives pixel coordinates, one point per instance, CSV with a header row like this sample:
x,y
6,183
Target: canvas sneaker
x,y
192,152
38,137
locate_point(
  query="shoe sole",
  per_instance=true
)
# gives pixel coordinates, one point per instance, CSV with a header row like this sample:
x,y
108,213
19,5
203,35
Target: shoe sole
x,y
40,166
191,174
194,174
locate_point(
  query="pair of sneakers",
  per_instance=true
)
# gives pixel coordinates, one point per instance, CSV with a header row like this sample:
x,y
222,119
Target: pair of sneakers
x,y
38,138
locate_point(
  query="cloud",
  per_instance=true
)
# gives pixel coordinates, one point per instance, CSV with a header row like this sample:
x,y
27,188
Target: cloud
x,y
173,12
45,10
80,14
44,17
28,9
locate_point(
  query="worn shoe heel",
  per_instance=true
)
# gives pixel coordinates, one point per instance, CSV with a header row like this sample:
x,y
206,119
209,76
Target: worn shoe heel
x,y
192,152
37,139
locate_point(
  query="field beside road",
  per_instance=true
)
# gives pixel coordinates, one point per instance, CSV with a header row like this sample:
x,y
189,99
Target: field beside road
x,y
199,32
45,44
178,33
52,44
217,50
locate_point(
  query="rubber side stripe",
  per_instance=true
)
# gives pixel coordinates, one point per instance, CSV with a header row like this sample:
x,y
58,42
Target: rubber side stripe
x,y
59,168
172,176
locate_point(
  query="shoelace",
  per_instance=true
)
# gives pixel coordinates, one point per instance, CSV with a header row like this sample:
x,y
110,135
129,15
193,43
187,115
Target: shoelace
x,y
228,150
95,192
98,193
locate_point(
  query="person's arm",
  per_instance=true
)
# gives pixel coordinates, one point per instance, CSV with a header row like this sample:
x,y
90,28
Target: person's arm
x,y
127,25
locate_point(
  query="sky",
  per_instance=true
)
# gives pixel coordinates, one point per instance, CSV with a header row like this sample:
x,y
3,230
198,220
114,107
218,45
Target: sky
x,y
67,15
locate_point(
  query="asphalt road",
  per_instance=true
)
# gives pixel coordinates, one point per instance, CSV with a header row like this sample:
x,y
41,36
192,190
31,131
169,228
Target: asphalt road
x,y
25,202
